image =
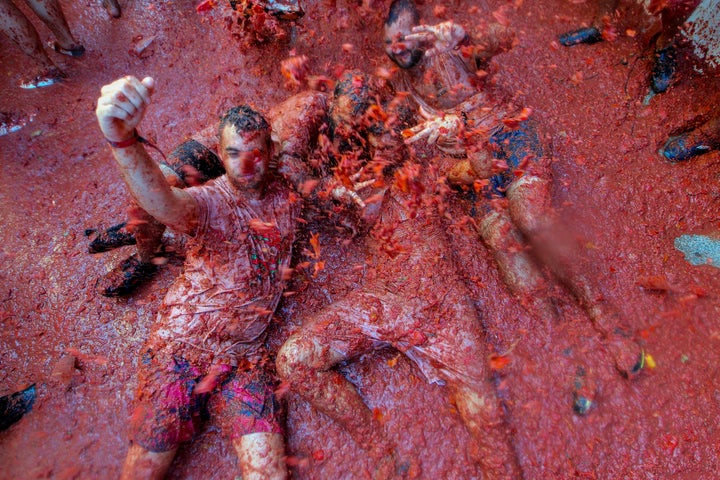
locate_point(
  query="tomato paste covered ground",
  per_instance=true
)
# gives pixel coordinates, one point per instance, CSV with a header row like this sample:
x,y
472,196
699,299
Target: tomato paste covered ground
x,y
624,204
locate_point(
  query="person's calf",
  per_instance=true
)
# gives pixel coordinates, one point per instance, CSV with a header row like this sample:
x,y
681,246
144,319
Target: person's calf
x,y
517,268
305,362
143,463
261,456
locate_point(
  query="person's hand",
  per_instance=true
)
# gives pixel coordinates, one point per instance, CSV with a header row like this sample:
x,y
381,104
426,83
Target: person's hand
x,y
350,195
122,105
441,129
442,37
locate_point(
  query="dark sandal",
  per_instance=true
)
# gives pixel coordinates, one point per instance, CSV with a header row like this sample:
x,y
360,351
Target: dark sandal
x,y
126,277
114,237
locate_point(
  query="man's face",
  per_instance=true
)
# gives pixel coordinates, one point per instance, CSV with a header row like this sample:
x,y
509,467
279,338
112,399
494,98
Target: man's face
x,y
245,156
405,53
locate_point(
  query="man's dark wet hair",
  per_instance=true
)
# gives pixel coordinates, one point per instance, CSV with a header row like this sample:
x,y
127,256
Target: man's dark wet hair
x,y
194,163
402,6
359,88
244,119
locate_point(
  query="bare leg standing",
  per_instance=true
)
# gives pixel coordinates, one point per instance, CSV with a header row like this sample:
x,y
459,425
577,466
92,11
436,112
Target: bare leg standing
x,y
15,25
52,15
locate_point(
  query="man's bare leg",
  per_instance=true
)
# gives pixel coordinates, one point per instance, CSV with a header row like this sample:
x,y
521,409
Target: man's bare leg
x,y
479,412
306,361
18,28
515,264
135,270
141,463
531,212
52,15
261,456
148,233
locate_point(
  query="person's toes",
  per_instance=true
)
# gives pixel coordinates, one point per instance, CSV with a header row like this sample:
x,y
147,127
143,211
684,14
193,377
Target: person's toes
x,y
628,355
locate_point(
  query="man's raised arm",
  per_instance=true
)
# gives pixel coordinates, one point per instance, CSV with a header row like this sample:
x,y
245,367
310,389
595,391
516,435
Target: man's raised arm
x,y
120,109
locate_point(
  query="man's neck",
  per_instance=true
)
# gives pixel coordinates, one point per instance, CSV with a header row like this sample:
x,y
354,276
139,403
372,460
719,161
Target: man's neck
x,y
248,194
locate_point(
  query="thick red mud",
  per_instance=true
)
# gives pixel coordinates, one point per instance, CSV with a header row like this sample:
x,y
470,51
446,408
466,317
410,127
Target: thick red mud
x,y
624,203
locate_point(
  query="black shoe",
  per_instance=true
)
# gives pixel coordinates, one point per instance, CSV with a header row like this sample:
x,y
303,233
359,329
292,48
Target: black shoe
x,y
664,69
112,238
676,149
126,277
280,9
15,405
588,35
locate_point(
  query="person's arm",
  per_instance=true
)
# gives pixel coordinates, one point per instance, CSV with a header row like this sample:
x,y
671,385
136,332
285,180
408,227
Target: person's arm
x,y
120,109
476,49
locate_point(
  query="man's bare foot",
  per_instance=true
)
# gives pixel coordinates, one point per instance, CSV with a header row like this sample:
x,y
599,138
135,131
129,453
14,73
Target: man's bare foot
x,y
629,357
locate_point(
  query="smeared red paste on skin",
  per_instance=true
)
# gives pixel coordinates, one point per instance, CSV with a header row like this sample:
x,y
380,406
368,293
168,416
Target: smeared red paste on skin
x,y
624,204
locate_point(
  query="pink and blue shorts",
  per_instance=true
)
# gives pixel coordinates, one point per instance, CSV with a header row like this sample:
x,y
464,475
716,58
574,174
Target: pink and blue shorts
x,y
168,409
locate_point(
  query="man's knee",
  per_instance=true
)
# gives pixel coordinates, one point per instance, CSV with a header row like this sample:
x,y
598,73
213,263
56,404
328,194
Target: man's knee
x,y
529,204
299,353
